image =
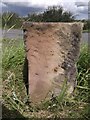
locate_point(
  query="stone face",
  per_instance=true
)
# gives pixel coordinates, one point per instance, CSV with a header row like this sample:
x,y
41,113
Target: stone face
x,y
52,50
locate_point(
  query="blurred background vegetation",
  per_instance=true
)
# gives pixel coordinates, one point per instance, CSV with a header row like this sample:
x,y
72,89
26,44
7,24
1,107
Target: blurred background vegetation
x,y
52,14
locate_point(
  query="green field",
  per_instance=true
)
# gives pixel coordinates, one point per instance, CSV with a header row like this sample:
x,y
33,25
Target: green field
x,y
86,31
15,99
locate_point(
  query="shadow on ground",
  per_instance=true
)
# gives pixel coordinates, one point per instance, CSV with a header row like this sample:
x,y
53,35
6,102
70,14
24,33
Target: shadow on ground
x,y
11,114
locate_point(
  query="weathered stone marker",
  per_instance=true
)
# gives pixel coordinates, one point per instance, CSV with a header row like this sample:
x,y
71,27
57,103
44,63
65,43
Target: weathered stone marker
x,y
52,50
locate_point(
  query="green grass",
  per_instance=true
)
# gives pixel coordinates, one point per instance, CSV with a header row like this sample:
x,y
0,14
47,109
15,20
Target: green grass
x,y
86,31
15,102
